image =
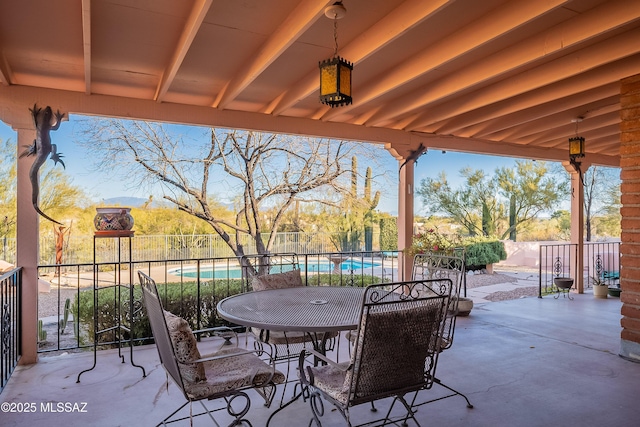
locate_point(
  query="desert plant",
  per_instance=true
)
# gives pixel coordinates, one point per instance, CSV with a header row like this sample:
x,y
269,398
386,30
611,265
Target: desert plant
x,y
42,334
481,252
388,234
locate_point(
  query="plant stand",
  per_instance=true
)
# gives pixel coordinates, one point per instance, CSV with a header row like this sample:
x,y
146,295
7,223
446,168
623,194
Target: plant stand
x,y
563,285
122,309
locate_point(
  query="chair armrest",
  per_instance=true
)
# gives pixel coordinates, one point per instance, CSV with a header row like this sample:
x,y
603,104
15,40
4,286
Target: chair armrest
x,y
208,358
306,375
220,331
325,359
223,329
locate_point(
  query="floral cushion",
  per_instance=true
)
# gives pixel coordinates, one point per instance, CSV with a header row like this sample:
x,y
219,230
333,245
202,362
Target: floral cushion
x,y
232,373
186,349
288,279
331,380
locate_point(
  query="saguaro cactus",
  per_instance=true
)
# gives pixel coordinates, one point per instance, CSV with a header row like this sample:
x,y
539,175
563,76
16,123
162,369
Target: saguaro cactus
x,y
366,203
358,210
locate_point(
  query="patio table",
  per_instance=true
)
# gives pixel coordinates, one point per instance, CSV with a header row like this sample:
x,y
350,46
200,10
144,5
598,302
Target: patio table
x,y
315,310
310,309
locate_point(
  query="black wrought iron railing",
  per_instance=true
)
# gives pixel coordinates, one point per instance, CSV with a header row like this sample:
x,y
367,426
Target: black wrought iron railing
x,y
10,323
601,260
191,288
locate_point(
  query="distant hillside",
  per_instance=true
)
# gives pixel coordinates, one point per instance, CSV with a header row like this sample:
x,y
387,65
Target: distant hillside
x,y
133,202
136,202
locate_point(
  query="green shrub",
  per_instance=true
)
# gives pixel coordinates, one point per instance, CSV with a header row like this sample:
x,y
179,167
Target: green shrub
x,y
388,234
342,280
480,252
178,298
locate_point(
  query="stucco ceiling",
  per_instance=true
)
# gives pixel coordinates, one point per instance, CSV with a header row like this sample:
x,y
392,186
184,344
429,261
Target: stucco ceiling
x,y
500,76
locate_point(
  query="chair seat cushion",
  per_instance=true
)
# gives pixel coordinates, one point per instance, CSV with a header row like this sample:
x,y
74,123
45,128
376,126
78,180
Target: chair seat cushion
x,y
231,373
287,279
331,379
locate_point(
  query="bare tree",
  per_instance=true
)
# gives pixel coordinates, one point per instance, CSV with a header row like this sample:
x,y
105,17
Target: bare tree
x,y
600,188
265,171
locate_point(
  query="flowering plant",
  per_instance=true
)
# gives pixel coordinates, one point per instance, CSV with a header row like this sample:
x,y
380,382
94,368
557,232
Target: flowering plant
x,y
433,241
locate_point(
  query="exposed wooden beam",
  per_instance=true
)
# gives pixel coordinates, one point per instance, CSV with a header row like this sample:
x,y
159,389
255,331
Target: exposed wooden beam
x,y
478,146
191,28
5,71
606,52
395,24
529,132
497,23
86,44
520,123
607,127
298,21
610,74
562,37
14,98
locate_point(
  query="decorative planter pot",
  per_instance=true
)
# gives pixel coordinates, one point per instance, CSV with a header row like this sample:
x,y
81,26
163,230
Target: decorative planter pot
x,y
464,306
614,292
600,291
563,282
113,219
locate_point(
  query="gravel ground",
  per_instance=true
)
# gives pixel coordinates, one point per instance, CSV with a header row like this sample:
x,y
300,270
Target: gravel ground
x,y
513,294
478,280
48,302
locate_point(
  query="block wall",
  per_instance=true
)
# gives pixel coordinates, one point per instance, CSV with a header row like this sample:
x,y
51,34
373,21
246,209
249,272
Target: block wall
x,y
630,211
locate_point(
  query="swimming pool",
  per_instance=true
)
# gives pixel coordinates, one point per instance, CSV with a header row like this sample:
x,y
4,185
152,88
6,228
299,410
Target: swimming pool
x,y
235,272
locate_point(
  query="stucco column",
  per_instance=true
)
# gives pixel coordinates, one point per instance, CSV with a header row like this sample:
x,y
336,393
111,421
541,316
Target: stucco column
x,y
27,250
577,220
630,211
405,215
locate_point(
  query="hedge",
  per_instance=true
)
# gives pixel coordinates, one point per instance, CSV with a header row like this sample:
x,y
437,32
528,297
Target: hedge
x,y
480,254
180,299
388,234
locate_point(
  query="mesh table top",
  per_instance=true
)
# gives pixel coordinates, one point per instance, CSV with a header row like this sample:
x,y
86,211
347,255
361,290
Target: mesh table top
x,y
305,309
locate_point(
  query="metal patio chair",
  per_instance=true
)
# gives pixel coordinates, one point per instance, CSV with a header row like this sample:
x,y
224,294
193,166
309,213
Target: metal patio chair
x,y
440,266
226,374
395,352
280,272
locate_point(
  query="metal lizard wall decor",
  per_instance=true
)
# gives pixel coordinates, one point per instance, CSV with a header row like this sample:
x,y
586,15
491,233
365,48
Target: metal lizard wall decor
x,y
42,148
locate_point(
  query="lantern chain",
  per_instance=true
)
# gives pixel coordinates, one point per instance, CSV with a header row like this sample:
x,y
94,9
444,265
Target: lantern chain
x,y
335,35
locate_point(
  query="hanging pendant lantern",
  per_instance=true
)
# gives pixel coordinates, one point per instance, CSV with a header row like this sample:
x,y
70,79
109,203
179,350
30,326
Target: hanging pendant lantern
x,y
335,82
335,73
576,147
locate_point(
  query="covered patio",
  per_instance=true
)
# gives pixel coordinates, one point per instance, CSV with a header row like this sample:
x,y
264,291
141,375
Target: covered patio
x,y
503,77
524,362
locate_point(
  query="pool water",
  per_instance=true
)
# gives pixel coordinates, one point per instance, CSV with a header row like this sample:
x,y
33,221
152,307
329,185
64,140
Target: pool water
x,y
235,272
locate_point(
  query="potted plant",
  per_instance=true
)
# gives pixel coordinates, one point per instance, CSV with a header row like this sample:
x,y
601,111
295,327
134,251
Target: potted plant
x,y
600,288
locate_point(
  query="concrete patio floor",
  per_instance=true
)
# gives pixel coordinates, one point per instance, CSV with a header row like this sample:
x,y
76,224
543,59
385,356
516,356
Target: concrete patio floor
x,y
525,362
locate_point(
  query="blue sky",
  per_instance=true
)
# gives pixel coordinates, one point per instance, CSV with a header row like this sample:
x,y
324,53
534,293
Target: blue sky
x,y
99,186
